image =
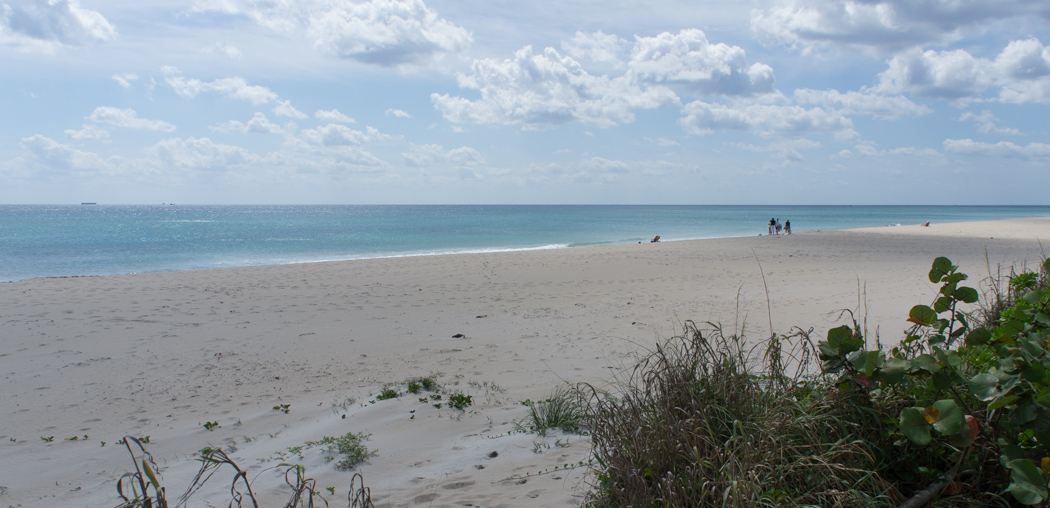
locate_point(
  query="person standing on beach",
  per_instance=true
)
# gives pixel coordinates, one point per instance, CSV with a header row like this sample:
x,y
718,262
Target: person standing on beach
x,y
771,223
778,226
787,226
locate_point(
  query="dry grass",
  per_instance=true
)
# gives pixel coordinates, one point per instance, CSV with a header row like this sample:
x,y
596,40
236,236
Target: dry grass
x,y
706,421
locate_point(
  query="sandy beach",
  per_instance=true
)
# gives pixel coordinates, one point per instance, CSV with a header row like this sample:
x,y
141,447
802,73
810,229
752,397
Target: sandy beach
x,y
162,354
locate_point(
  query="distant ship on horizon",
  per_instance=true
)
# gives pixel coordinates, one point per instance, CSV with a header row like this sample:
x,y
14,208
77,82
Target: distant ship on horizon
x,y
88,203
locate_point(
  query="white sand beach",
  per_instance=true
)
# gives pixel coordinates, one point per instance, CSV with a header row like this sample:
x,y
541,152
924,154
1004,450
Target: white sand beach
x,y
161,354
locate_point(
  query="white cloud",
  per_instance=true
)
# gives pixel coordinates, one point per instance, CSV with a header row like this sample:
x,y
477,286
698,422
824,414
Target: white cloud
x,y
235,87
125,79
425,155
545,90
382,32
128,119
398,113
340,135
200,154
258,124
224,48
88,132
604,52
285,108
861,103
869,149
1000,149
883,25
56,156
764,119
688,61
950,75
333,116
986,123
43,26
1021,72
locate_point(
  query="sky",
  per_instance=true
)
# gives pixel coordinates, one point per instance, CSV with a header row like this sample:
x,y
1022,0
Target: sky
x,y
566,102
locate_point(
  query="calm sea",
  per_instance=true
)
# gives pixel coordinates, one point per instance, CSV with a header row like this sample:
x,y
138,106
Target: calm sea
x,y
53,241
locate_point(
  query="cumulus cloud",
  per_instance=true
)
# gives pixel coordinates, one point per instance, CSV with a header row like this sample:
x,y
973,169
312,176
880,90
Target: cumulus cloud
x,y
425,155
861,103
235,87
545,90
398,113
128,119
285,108
1000,149
340,135
258,124
598,50
125,79
764,119
1020,74
43,26
381,32
986,123
869,149
56,156
199,154
88,132
333,116
688,61
882,25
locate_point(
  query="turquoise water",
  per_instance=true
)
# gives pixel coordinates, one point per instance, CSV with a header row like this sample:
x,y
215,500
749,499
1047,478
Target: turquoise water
x,y
50,241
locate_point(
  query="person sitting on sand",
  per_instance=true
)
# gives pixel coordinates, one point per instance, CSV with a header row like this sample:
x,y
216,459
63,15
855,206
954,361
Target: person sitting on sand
x,y
926,225
655,239
787,226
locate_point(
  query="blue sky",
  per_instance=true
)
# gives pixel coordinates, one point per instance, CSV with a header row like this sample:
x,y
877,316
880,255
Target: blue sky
x,y
406,101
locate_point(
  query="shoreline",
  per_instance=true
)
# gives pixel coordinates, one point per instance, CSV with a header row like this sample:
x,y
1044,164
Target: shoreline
x,y
937,229
162,353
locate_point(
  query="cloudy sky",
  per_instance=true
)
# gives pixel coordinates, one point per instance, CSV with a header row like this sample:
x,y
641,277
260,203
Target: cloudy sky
x,y
491,101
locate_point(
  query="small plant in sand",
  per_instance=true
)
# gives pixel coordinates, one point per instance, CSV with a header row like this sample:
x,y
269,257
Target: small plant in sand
x,y
388,393
284,408
562,410
416,385
460,401
211,425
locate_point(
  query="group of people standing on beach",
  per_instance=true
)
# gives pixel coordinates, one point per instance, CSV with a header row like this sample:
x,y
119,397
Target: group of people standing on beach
x,y
775,228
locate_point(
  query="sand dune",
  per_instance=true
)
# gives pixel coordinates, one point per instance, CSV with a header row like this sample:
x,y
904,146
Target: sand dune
x,y
160,354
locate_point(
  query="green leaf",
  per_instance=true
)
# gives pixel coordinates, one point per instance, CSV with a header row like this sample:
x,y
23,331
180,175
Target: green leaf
x,y
942,304
926,362
1003,402
893,370
1027,482
868,361
149,474
941,267
966,295
914,427
951,417
985,386
922,314
978,337
1011,327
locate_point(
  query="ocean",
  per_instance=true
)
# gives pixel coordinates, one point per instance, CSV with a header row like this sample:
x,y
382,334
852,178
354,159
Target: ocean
x,y
82,240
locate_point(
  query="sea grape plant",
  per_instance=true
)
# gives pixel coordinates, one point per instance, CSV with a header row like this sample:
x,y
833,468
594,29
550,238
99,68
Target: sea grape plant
x,y
945,371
